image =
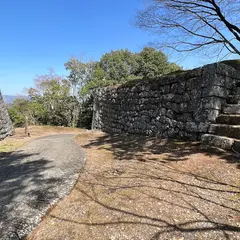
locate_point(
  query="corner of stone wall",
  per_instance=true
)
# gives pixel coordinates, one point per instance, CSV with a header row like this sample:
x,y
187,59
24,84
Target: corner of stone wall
x,y
6,127
218,81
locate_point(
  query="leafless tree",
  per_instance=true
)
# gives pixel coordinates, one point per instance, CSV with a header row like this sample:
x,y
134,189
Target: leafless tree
x,y
189,25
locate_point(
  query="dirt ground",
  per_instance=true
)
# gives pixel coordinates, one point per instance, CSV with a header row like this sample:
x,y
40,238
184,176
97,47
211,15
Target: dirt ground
x,y
146,188
14,142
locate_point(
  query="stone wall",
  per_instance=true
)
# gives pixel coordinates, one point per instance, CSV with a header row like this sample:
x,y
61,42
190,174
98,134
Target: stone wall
x,y
174,106
6,127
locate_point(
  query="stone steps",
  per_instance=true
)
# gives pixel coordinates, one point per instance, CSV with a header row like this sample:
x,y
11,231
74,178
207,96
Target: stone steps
x,y
217,141
225,133
228,119
232,131
221,142
231,109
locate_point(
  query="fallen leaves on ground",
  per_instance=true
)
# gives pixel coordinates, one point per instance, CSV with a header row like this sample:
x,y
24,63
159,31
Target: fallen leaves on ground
x,y
137,187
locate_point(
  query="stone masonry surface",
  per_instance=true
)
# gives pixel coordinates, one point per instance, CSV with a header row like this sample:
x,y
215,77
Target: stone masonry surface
x,y
173,106
6,127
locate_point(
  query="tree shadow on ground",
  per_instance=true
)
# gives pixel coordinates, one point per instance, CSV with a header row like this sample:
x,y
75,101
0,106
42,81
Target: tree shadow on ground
x,y
23,189
128,147
177,199
168,226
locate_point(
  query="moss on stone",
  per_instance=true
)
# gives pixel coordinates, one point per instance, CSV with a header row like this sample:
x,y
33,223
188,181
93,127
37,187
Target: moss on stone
x,y
177,73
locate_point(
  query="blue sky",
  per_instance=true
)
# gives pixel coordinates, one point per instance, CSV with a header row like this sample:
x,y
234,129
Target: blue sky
x,y
37,35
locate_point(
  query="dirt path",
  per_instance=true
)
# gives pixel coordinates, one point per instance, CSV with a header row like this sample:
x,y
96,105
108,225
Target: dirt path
x,y
33,178
145,188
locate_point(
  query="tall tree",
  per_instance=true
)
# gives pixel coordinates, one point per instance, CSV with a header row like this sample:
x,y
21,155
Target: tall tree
x,y
118,65
122,65
81,74
53,92
154,63
191,25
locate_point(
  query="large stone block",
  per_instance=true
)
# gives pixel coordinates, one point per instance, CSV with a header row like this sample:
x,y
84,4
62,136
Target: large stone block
x,y
215,91
232,109
217,141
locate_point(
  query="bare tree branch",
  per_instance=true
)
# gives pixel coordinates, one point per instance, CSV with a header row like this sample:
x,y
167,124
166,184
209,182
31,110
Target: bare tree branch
x,y
191,25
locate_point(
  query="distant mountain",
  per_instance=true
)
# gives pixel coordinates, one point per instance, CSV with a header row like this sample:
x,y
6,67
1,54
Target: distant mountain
x,y
8,99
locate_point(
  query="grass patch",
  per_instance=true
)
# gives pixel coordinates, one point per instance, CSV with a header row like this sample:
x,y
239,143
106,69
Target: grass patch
x,y
11,145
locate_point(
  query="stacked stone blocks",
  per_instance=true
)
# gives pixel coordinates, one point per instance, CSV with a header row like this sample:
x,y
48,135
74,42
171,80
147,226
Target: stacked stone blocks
x,y
175,106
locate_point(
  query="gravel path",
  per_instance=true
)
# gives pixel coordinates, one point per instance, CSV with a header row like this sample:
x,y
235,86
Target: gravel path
x,y
34,178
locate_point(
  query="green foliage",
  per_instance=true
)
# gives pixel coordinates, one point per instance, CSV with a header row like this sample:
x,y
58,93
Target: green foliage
x,y
122,66
17,111
154,63
173,67
98,72
22,107
96,83
55,100
80,73
118,65
52,92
